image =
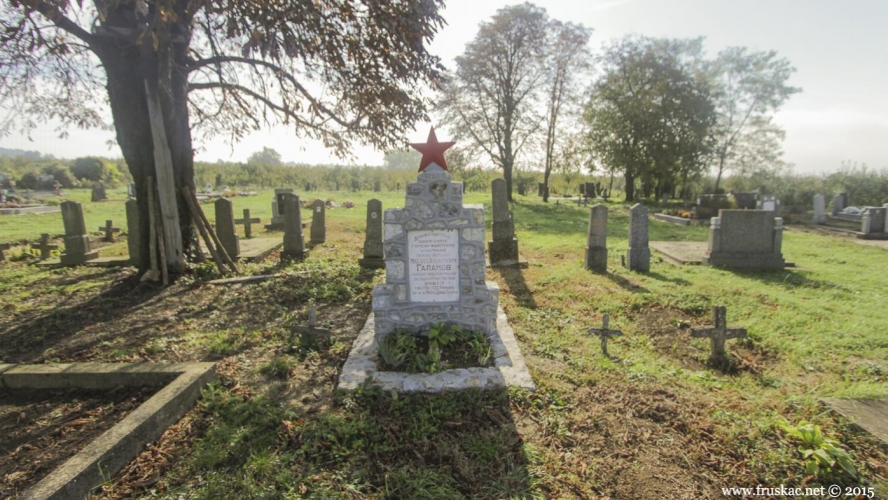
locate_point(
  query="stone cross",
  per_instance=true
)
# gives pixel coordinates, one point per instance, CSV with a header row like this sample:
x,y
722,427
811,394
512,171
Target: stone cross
x,y
374,255
4,247
312,317
46,247
596,240
639,254
819,209
504,247
225,227
133,233
77,246
604,332
719,334
248,223
318,233
109,230
294,243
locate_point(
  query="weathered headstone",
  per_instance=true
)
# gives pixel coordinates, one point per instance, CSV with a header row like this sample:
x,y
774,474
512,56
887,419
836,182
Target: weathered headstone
x,y
46,247
596,240
839,203
769,202
605,333
225,227
434,261
504,246
318,232
3,248
744,200
638,257
873,222
377,186
294,243
819,209
745,239
77,246
718,334
541,188
373,248
98,192
277,209
109,230
133,233
248,223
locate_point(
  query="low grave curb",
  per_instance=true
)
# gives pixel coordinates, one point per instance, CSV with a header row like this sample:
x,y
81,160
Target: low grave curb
x,y
181,384
510,369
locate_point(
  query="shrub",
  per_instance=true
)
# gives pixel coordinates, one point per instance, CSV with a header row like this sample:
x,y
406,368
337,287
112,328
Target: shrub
x,y
89,168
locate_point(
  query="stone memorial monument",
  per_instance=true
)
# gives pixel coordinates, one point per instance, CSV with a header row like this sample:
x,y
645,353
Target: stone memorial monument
x,y
277,209
318,233
638,257
434,256
745,239
504,246
374,255
45,246
133,234
77,246
248,222
873,222
819,209
839,203
108,229
596,240
294,243
225,227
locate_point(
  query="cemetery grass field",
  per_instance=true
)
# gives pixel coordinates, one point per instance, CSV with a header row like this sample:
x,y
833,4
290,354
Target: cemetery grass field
x,y
653,421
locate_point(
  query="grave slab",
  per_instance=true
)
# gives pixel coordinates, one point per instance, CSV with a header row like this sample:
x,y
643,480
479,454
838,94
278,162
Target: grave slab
x,y
112,450
509,368
869,414
681,253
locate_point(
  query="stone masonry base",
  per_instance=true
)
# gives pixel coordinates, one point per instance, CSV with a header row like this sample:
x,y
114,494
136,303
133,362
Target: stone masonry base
x,y
510,369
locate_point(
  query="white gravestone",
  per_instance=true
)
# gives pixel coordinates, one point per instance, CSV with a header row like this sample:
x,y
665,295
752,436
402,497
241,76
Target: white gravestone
x,y
433,272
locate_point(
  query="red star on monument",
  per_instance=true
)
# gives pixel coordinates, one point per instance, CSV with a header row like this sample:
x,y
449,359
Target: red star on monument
x,y
432,151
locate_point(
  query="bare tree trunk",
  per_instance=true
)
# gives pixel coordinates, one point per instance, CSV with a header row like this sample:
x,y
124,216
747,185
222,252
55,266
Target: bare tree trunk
x,y
630,186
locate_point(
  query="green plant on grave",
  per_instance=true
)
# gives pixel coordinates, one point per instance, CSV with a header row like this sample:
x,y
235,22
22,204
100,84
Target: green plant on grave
x,y
821,453
430,362
480,346
398,347
280,367
441,335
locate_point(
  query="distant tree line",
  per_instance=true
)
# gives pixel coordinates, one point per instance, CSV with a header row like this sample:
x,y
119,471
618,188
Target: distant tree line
x,y
658,113
31,172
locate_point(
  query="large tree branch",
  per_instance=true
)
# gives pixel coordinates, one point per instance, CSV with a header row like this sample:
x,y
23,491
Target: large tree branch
x,y
281,74
55,15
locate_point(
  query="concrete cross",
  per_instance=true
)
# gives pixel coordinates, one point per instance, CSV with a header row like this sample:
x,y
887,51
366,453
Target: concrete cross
x,y
604,332
719,334
46,247
248,223
109,230
4,247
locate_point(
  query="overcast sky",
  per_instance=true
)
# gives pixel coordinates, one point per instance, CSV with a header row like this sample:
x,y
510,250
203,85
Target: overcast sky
x,y
840,50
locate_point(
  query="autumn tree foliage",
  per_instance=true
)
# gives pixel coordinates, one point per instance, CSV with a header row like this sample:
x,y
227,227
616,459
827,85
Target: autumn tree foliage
x,y
341,71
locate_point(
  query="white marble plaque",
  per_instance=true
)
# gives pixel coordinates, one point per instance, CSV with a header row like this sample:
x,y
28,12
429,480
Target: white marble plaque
x,y
433,271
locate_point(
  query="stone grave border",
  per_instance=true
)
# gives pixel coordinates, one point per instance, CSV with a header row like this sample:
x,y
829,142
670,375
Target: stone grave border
x,y
509,370
681,221
180,385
